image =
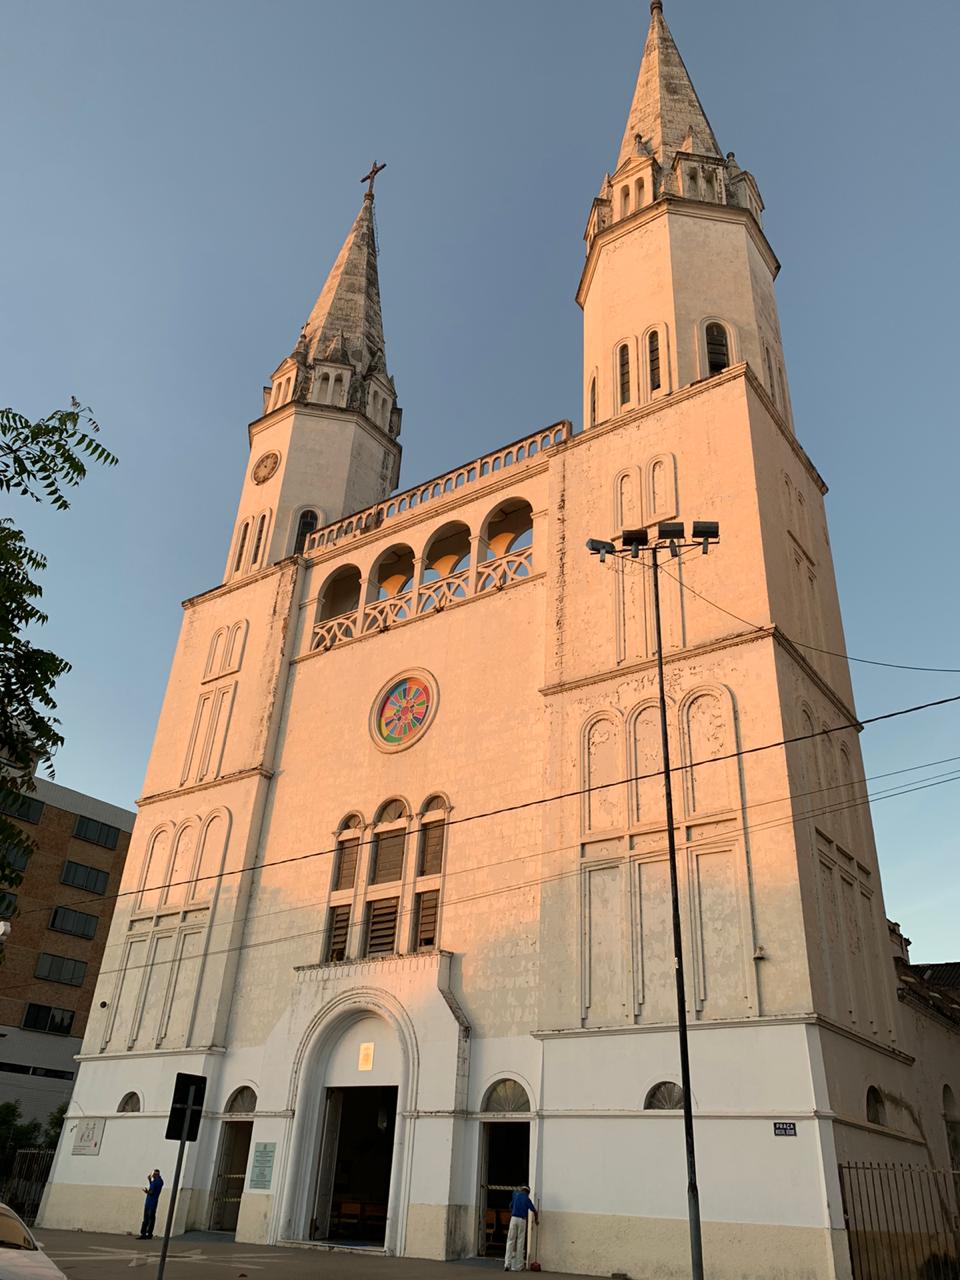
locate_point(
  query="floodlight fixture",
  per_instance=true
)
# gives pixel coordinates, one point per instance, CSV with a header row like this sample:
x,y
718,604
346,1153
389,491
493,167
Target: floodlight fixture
x,y
670,530
635,539
706,531
597,547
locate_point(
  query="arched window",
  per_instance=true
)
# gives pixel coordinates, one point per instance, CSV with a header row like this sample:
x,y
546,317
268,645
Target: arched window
x,y
348,850
876,1107
639,191
430,859
665,1096
718,348
624,202
242,1102
258,540
770,378
388,847
623,358
653,352
307,524
506,1095
241,545
129,1103
593,403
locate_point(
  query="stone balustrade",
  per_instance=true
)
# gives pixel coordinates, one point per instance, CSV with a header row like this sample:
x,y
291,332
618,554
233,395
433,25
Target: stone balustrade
x,y
378,615
470,473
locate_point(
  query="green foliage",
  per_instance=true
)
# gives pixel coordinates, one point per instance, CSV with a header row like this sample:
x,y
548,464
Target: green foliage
x,y
38,460
15,1132
51,1130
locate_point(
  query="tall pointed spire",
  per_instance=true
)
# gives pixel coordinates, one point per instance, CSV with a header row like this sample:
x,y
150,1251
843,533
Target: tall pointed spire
x,y
347,315
665,110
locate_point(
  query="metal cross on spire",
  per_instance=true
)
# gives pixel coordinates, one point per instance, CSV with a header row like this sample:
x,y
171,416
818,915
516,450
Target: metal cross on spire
x,y
369,177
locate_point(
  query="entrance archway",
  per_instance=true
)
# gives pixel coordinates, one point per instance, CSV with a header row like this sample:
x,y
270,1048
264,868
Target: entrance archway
x,y
354,1171
504,1161
235,1135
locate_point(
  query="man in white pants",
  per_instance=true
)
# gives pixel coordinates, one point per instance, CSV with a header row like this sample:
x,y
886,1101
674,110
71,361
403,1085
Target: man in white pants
x,y
520,1206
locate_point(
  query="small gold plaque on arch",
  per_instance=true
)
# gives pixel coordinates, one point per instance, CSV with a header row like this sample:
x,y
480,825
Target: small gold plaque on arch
x,y
365,1060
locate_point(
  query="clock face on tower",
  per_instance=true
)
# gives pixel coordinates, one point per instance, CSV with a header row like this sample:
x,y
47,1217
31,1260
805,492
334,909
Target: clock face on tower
x,y
403,710
265,466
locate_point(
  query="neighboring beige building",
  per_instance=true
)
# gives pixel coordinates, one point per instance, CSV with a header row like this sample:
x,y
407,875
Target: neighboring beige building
x,y
398,886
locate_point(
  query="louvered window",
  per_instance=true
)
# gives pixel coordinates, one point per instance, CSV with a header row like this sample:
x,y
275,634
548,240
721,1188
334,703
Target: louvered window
x,y
346,864
431,849
308,523
624,360
339,925
388,857
653,346
427,904
382,926
718,349
593,403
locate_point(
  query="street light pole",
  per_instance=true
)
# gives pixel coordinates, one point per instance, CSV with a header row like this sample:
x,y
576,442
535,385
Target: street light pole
x,y
635,541
693,1193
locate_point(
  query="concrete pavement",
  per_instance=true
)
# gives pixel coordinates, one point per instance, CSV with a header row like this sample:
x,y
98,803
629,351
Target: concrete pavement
x,y
85,1255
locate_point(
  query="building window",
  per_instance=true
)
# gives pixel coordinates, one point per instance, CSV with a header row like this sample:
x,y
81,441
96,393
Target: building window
x,y
13,858
639,191
241,546
381,936
653,351
66,920
61,969
41,1017
506,1095
876,1107
431,848
665,1096
258,540
308,523
347,853
242,1102
8,904
624,202
718,348
26,808
96,833
426,917
337,936
129,1103
593,403
388,857
82,877
624,366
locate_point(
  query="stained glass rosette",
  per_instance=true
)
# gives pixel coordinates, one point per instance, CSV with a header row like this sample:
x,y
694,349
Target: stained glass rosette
x,y
403,711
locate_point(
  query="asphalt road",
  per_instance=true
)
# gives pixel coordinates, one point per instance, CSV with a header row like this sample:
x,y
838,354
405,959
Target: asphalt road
x,y
85,1255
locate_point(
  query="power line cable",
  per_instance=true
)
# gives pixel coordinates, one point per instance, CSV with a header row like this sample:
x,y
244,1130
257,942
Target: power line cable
x,y
487,893
536,803
800,644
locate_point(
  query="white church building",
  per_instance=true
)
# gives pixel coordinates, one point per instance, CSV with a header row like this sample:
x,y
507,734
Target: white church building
x,y
398,884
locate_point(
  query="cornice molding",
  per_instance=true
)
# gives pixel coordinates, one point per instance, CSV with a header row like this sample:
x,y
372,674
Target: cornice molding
x,y
678,206
237,584
257,771
293,407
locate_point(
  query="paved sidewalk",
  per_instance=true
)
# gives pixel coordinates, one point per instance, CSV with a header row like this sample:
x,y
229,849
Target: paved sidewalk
x,y
85,1255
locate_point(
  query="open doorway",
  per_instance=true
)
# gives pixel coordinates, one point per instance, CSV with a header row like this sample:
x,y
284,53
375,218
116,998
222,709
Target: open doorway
x,y
231,1171
356,1157
505,1168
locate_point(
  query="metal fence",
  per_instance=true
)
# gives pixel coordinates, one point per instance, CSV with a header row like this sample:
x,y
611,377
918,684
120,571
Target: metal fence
x,y
23,1188
901,1221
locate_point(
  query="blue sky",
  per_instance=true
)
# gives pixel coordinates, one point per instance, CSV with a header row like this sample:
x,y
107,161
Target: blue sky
x,y
179,177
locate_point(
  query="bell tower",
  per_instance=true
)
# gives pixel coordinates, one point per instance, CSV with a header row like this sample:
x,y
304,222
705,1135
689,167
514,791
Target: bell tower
x,y
327,443
685,220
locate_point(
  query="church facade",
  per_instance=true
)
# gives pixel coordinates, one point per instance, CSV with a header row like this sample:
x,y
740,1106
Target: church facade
x,y
423,955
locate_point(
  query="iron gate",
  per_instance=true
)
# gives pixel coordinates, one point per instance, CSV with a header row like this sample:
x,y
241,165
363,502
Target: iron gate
x,y
23,1189
901,1221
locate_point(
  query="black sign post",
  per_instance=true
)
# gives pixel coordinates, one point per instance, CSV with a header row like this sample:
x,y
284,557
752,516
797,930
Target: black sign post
x,y
183,1125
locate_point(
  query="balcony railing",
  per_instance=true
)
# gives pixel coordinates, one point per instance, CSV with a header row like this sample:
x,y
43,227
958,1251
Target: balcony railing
x,y
489,464
379,615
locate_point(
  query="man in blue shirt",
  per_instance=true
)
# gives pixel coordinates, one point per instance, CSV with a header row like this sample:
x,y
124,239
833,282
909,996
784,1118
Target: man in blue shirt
x,y
520,1206
152,1189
